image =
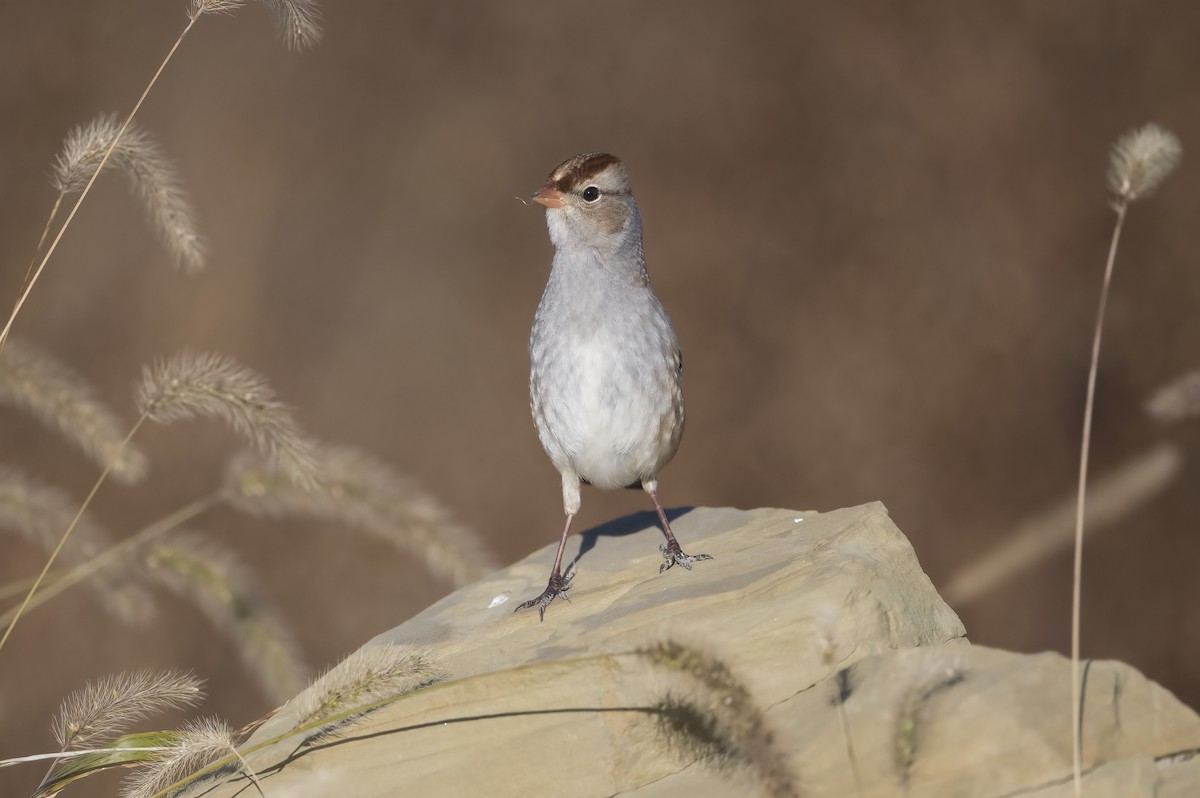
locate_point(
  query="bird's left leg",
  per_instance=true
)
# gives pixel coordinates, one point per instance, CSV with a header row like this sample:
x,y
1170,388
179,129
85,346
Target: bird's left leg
x,y
559,583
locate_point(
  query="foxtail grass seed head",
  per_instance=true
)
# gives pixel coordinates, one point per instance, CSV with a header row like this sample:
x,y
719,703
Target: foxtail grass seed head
x,y
40,513
359,490
708,670
209,385
61,399
197,7
153,178
1141,160
106,708
931,673
691,732
210,577
200,744
702,730
721,718
298,21
1177,400
366,676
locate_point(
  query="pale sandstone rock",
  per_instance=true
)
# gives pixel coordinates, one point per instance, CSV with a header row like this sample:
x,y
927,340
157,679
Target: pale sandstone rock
x,y
536,709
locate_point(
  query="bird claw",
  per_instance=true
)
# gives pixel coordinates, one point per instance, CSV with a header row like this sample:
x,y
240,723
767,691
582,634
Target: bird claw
x,y
673,555
555,588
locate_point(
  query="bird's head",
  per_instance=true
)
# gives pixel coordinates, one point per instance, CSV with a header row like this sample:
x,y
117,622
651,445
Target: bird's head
x,y
589,203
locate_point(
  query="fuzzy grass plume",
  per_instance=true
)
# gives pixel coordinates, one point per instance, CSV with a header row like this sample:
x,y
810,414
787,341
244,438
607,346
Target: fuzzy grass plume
x,y
107,707
357,489
934,673
61,399
153,178
718,719
298,21
1141,159
211,578
190,385
366,676
210,385
199,744
40,512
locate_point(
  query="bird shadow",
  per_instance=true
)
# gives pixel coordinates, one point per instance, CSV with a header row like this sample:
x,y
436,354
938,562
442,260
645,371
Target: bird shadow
x,y
625,525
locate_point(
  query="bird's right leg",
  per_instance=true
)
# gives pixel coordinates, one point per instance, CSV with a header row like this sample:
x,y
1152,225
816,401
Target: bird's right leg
x,y
558,585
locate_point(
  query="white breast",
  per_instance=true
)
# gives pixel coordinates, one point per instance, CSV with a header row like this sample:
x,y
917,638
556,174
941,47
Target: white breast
x,y
605,395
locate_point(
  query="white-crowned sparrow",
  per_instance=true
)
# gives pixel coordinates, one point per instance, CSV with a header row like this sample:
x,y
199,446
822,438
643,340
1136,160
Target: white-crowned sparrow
x,y
605,366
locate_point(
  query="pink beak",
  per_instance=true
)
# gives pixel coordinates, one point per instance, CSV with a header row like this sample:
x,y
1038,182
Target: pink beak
x,y
549,196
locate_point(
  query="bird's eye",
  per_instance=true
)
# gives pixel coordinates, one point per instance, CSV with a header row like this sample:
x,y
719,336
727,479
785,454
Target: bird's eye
x,y
591,194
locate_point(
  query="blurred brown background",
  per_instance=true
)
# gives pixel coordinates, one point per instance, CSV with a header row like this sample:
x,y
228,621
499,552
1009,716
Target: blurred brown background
x,y
879,227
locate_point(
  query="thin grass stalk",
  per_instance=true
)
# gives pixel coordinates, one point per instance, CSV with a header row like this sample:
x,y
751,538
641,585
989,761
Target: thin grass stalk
x,y
25,283
71,577
21,760
66,535
18,586
31,281
1084,450
1140,160
41,243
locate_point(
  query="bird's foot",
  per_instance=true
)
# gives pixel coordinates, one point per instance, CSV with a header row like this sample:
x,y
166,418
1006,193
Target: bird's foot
x,y
673,555
557,586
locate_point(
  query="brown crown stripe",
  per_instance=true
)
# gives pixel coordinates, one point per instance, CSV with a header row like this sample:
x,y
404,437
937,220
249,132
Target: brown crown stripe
x,y
573,172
